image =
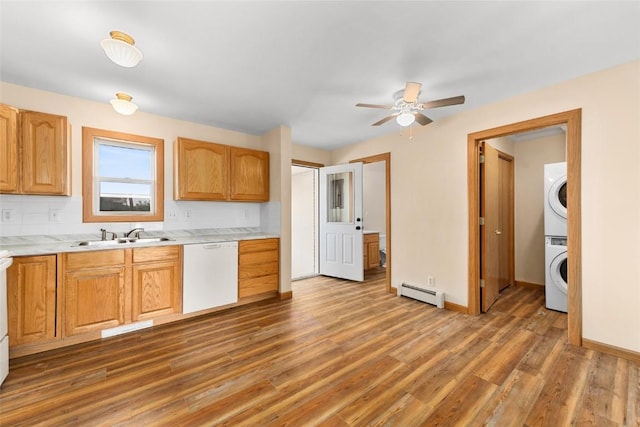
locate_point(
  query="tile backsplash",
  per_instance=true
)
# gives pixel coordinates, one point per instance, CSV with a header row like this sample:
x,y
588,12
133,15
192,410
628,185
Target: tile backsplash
x,y
22,215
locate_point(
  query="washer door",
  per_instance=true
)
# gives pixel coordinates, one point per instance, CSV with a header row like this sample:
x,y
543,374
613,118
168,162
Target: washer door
x,y
558,272
558,196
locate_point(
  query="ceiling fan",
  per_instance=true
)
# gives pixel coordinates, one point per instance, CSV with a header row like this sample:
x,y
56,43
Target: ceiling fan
x,y
407,109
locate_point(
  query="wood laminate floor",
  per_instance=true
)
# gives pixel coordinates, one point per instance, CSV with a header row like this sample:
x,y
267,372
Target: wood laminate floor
x,y
337,354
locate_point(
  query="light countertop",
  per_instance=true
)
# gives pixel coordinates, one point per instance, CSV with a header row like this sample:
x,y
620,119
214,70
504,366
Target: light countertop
x,y
53,244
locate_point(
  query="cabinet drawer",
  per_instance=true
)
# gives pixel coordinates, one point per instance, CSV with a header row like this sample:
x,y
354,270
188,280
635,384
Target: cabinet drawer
x,y
257,285
372,237
157,253
257,270
260,245
93,259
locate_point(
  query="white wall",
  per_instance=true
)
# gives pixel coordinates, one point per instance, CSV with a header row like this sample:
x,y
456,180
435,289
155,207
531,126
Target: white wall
x,y
374,193
430,207
31,213
530,157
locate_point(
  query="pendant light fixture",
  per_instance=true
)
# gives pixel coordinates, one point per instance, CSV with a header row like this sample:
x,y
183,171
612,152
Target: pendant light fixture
x,y
123,105
121,50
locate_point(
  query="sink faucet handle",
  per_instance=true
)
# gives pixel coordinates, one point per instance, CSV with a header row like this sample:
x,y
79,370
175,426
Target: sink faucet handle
x,y
104,234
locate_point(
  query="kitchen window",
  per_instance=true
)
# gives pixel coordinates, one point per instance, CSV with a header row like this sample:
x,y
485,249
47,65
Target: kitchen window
x,y
123,177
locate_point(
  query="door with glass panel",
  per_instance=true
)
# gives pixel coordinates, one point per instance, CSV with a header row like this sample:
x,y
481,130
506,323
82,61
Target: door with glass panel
x,y
341,221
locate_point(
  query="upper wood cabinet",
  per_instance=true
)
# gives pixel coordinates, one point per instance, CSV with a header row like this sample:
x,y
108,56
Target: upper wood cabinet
x,y
31,300
210,171
249,175
37,153
201,170
8,149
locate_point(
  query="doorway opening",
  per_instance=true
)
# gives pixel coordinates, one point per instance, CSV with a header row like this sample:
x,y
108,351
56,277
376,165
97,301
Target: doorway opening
x,y
572,120
386,158
304,219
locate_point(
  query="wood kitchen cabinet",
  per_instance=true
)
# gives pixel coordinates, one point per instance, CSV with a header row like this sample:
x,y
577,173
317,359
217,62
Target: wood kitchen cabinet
x,y
371,250
37,153
201,170
8,149
258,266
249,175
95,291
209,171
157,282
31,300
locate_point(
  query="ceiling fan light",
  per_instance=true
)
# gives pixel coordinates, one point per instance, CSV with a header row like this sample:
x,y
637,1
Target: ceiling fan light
x,y
121,50
405,119
123,105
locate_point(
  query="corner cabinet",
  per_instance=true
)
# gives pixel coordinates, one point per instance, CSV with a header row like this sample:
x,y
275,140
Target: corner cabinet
x,y
37,153
31,300
258,267
209,171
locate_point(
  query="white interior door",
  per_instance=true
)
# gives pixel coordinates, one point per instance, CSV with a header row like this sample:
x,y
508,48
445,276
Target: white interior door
x,y
341,221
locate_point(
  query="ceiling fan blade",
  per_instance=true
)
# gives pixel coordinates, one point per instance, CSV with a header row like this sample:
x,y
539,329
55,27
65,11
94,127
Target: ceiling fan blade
x,y
385,120
444,102
422,119
411,91
385,107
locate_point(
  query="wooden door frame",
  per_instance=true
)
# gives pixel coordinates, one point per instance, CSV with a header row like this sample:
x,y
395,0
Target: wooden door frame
x,y
573,120
384,157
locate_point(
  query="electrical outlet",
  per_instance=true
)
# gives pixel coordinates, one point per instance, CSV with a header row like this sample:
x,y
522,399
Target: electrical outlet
x,y
7,215
431,281
246,214
54,215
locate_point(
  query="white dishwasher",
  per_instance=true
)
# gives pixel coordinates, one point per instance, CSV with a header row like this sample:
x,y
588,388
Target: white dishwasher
x,y
210,276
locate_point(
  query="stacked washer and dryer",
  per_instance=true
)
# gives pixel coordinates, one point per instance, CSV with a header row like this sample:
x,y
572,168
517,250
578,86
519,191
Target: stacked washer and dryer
x,y
555,230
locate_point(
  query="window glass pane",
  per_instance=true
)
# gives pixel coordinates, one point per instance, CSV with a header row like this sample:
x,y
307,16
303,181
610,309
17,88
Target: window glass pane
x,y
126,197
340,197
124,162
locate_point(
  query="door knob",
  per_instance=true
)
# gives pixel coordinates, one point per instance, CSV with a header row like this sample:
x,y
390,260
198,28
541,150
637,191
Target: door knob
x,y
498,232
357,227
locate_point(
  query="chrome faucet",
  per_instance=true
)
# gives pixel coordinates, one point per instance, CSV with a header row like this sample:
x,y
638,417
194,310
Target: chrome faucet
x,y
114,236
135,232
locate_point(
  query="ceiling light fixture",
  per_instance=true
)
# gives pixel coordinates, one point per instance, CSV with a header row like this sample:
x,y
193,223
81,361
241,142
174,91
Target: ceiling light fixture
x,y
405,118
121,50
123,105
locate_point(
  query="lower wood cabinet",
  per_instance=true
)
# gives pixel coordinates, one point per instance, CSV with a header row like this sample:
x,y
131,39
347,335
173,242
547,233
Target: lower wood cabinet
x,y
94,291
258,266
105,289
371,250
157,282
31,300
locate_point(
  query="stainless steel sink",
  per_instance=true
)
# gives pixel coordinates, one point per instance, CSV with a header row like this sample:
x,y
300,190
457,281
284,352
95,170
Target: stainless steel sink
x,y
117,242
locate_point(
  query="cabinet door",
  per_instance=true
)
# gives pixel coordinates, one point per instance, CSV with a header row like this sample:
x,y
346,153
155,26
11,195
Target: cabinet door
x,y
373,254
31,292
249,176
201,170
44,153
94,299
157,289
8,149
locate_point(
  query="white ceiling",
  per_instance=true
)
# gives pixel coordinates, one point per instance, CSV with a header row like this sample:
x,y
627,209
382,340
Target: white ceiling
x,y
251,66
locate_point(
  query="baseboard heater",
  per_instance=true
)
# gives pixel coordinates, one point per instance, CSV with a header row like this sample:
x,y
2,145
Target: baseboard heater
x,y
429,295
